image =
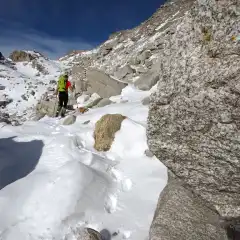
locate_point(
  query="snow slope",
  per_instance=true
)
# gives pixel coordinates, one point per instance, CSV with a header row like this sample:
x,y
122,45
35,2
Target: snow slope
x,y
73,185
26,84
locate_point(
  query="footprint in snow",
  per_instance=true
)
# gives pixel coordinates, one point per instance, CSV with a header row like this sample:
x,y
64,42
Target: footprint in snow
x,y
126,185
110,203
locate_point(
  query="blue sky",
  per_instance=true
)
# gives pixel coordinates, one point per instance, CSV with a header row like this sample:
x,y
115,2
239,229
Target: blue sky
x,y
55,27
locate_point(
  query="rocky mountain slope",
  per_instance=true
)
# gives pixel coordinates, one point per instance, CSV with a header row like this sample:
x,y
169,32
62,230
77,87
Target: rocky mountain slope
x,y
24,79
130,53
187,55
126,58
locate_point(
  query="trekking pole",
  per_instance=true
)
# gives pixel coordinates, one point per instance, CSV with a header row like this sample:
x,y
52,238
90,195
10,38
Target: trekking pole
x,y
55,105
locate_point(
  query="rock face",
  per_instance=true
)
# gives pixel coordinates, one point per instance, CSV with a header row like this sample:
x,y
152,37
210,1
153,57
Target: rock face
x,y
79,79
194,118
95,81
105,130
181,215
102,84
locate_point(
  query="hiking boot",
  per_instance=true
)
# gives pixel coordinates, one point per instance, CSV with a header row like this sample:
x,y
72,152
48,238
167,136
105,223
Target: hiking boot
x,y
63,111
58,111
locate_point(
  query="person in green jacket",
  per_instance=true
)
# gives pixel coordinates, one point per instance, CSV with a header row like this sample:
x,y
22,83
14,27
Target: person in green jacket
x,y
62,91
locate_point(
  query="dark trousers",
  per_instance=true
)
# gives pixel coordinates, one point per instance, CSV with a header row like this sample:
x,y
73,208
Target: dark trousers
x,y
63,99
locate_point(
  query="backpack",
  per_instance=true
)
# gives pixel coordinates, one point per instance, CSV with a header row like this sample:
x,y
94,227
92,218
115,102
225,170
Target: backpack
x,y
62,84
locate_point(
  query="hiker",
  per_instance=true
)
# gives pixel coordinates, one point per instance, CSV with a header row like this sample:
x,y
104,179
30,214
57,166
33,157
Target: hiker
x,y
62,92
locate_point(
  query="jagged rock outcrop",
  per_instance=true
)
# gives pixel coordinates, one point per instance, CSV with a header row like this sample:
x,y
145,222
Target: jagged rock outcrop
x,y
194,120
22,56
2,57
39,67
105,130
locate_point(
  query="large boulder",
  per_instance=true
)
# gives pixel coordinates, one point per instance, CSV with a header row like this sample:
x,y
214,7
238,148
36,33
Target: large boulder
x,y
180,215
147,80
194,119
123,72
22,56
146,101
105,130
48,108
102,84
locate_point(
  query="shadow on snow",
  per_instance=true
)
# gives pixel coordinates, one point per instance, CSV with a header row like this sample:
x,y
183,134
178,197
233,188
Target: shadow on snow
x,y
18,159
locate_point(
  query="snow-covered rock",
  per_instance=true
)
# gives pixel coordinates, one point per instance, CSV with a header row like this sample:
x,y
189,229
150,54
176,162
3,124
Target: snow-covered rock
x,y
69,120
105,130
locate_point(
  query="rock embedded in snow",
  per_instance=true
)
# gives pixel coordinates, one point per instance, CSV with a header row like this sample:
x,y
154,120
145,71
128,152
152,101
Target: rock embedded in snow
x,y
33,92
180,215
193,122
86,122
71,119
2,87
54,82
105,234
93,103
105,130
148,153
103,102
85,234
51,89
146,101
24,97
